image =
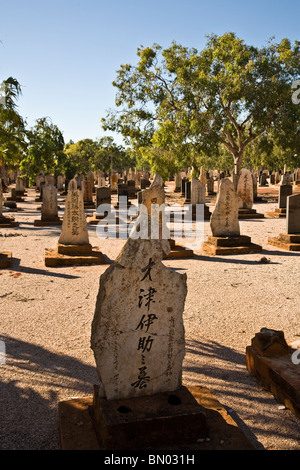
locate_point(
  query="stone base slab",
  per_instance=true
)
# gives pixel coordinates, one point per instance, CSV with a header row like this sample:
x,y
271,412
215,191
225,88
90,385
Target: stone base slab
x,y
77,428
147,421
277,214
47,222
278,375
178,251
250,214
5,259
94,220
74,249
53,258
230,245
286,242
6,222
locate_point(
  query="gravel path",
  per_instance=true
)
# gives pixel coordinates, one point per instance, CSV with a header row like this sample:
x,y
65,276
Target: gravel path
x,y
46,315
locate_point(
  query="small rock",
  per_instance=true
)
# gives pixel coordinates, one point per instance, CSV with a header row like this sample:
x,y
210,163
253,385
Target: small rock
x,y
264,260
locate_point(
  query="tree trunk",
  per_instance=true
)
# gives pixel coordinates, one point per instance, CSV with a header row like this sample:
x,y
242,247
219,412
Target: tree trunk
x,y
238,159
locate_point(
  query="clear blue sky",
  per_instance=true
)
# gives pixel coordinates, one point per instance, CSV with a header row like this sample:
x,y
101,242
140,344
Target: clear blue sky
x,y
66,53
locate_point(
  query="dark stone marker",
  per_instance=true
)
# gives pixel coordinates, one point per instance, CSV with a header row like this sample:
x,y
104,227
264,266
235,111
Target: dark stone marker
x,y
293,214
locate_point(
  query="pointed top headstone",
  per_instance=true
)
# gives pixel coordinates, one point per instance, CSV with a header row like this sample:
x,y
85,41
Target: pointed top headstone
x,y
224,221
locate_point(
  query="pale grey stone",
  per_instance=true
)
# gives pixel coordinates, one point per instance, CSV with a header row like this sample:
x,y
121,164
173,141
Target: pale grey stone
x,y
198,191
293,214
49,206
224,221
137,331
245,189
74,226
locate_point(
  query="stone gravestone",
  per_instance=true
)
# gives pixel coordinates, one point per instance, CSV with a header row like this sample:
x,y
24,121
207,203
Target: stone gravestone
x,y
87,187
177,187
49,210
114,183
245,189
5,221
285,191
210,186
245,196
293,214
157,180
73,245
198,196
224,223
132,360
101,179
5,256
103,196
139,345
20,189
286,179
74,228
290,240
60,183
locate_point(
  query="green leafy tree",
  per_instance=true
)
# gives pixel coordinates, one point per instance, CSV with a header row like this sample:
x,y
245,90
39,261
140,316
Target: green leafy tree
x,y
102,154
12,126
79,156
45,149
223,97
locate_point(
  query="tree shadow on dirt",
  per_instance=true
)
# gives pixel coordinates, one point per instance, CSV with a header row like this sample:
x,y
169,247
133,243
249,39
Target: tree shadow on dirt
x,y
33,380
223,370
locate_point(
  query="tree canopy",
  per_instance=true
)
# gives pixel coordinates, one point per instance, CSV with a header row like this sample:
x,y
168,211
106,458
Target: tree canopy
x,y
178,104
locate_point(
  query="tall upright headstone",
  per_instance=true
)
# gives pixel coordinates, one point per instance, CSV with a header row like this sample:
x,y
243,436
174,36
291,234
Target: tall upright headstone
x,y
73,245
293,214
114,183
245,189
5,221
226,238
198,196
224,221
49,210
144,354
246,197
290,240
157,180
74,227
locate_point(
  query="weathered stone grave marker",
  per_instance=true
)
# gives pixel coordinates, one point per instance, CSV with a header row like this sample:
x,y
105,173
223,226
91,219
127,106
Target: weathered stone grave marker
x,y
224,223
285,190
290,240
5,221
49,209
246,196
73,245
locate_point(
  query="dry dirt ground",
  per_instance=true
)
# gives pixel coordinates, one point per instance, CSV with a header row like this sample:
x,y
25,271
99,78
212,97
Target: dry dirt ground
x,y
46,315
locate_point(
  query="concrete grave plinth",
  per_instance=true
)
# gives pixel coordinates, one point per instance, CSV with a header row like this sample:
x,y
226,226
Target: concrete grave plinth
x,y
5,259
178,251
47,221
70,255
284,192
289,242
147,421
278,213
223,431
269,360
249,214
230,245
6,222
